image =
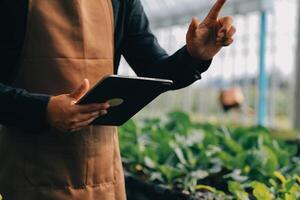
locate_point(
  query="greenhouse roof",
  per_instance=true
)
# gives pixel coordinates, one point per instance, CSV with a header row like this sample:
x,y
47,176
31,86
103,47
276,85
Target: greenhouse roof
x,y
173,12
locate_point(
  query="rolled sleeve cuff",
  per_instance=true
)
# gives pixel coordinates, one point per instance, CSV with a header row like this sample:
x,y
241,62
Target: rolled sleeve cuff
x,y
199,66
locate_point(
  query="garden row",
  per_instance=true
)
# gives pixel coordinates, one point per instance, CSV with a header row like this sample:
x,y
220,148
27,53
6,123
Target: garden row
x,y
175,158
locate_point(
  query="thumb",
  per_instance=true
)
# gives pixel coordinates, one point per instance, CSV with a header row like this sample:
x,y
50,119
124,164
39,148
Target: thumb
x,y
81,90
194,25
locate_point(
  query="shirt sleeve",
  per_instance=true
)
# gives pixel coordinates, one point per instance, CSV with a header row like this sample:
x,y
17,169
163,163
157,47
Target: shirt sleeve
x,y
148,58
21,109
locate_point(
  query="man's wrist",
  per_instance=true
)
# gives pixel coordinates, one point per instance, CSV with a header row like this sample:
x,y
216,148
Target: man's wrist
x,y
200,65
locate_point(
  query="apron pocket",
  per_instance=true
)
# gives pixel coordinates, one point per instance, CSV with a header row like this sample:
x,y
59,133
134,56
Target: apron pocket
x,y
100,155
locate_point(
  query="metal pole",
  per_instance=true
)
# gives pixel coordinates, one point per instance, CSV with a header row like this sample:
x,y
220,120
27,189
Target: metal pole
x,y
297,77
263,77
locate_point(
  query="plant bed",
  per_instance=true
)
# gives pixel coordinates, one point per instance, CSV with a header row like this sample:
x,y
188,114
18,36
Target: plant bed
x,y
142,190
176,158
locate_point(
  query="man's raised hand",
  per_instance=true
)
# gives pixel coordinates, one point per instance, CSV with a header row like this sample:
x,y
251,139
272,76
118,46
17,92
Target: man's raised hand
x,y
205,39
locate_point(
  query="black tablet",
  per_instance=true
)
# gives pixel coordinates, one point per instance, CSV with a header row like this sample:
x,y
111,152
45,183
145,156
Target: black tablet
x,y
126,95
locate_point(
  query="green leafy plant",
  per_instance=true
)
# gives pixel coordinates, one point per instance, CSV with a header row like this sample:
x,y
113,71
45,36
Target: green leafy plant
x,y
237,162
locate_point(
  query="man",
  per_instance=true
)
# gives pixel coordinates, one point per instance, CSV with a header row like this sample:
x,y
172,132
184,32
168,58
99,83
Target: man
x,y
48,149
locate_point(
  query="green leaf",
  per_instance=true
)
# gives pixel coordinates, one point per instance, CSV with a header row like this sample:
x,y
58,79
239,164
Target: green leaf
x,y
199,174
298,179
206,188
179,122
289,197
263,160
170,173
149,162
180,155
279,175
289,185
232,145
238,191
236,176
261,191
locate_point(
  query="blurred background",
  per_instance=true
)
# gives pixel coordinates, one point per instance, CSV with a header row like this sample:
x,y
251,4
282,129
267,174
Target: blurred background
x,y
254,81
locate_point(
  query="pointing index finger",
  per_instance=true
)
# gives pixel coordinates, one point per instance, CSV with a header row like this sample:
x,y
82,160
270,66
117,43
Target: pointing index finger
x,y
216,9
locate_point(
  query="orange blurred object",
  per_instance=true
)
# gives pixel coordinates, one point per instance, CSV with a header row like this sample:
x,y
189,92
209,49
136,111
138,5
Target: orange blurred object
x,y
231,98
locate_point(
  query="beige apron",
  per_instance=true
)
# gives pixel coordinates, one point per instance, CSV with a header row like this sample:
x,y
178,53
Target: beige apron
x,y
66,41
